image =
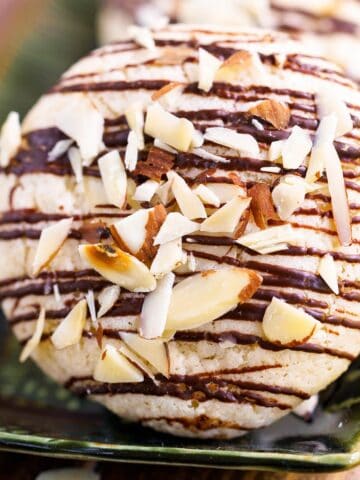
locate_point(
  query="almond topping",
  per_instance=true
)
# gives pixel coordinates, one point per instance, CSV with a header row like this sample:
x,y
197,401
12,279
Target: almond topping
x,y
69,331
287,325
135,117
131,152
226,191
58,150
146,191
307,408
34,341
51,240
157,164
155,308
90,300
289,195
208,66
176,132
208,295
242,142
169,257
275,150
261,205
328,272
114,179
153,351
207,196
107,299
114,367
206,155
142,36
276,113
175,226
328,102
228,219
271,240
189,204
118,267
164,192
296,148
238,64
169,95
10,138
76,164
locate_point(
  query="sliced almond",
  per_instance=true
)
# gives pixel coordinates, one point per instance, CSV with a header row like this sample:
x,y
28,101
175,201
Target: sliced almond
x,y
130,232
169,95
118,267
208,295
146,191
90,300
58,150
135,117
153,351
114,367
328,102
270,169
69,331
114,179
208,66
275,150
207,196
242,142
136,360
288,197
327,271
155,308
197,140
51,240
34,341
57,295
169,257
274,112
142,36
164,192
157,164
10,138
228,218
296,148
226,191
206,155
131,152
189,204
238,65
175,226
286,324
271,240
176,132
262,207
307,408
76,165
107,299
164,146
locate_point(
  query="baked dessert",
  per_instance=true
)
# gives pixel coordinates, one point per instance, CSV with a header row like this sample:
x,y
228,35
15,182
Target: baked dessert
x,y
330,27
179,228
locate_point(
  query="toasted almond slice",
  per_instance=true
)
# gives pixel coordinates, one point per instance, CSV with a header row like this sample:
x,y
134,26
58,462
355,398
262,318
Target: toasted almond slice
x,y
51,240
176,132
131,152
288,197
261,204
307,408
175,226
157,164
270,240
68,474
328,272
135,117
114,367
113,175
329,102
275,150
296,148
69,331
169,95
274,112
227,218
118,267
286,324
207,196
189,204
169,256
208,66
76,164
10,138
242,142
90,300
237,65
34,341
82,122
208,295
155,308
153,351
61,147
142,36
107,299
146,191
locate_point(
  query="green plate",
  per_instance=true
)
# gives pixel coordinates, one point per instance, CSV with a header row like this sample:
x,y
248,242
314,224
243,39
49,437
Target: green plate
x,y
39,417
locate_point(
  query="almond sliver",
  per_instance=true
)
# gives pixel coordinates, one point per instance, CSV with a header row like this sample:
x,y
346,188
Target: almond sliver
x,y
329,102
296,148
189,204
114,367
34,341
227,218
169,256
107,299
114,178
242,142
272,238
10,138
175,226
207,196
208,66
69,331
328,272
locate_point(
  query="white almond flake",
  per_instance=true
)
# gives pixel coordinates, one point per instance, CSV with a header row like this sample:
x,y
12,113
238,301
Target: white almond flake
x,y
176,132
175,226
132,230
227,218
226,191
327,271
131,152
242,142
57,295
275,150
135,117
114,178
51,241
136,360
270,169
34,341
307,408
207,196
10,138
169,95
164,192
68,474
328,102
90,299
107,299
197,140
257,124
286,324
208,66
61,147
82,122
188,202
155,308
168,257
76,164
205,154
270,240
163,146
142,36
146,191
69,331
288,196
296,148
191,262
114,367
